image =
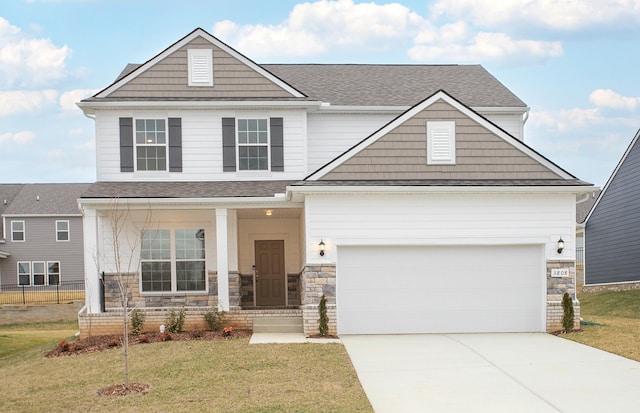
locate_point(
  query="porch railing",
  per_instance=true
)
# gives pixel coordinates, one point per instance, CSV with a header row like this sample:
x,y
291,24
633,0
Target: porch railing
x,y
579,258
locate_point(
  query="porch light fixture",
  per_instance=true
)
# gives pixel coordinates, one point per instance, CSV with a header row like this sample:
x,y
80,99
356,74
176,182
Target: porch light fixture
x,y
268,212
322,246
560,245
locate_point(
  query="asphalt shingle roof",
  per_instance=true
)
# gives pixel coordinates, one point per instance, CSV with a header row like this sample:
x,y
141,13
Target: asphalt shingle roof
x,y
186,189
388,85
46,199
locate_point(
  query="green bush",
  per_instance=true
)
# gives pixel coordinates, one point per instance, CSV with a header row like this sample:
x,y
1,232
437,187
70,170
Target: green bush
x,y
568,313
215,319
137,321
324,319
174,323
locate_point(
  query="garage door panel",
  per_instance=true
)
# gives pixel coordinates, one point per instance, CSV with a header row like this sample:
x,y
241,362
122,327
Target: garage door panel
x,y
440,289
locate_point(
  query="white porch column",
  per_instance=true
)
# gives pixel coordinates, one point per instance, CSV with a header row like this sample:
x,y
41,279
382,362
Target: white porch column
x,y
91,260
222,255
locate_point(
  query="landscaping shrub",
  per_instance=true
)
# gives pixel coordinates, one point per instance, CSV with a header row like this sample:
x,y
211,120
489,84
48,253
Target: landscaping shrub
x,y
324,318
215,319
137,321
568,313
174,322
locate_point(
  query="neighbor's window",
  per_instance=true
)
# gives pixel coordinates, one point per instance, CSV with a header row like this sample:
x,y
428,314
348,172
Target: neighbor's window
x,y
24,273
53,272
151,145
62,230
253,144
17,231
38,273
173,260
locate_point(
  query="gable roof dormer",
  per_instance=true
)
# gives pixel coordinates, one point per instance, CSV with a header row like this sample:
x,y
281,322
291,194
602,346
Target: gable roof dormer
x,y
198,67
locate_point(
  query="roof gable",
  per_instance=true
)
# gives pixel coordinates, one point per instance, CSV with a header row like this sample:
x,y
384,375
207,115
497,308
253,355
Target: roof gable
x,y
166,75
398,151
621,182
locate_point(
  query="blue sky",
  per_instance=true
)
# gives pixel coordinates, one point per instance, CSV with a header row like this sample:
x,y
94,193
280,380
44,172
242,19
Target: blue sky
x,y
573,62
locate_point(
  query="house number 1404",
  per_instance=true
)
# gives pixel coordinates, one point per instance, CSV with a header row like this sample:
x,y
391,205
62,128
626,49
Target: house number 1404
x,y
559,272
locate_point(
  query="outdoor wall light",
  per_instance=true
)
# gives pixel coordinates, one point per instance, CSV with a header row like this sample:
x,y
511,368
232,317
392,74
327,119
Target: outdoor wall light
x,y
560,245
322,247
268,212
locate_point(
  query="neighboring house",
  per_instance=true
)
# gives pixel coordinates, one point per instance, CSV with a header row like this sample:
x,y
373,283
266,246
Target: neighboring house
x,y
41,239
612,244
403,193
583,206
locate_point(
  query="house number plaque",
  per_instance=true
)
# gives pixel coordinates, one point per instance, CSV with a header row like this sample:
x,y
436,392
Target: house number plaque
x,y
559,272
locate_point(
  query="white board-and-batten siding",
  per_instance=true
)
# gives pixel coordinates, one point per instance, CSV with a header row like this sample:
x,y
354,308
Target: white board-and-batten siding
x,y
201,146
439,219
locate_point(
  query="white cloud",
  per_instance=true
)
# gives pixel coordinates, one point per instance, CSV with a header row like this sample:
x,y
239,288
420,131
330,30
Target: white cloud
x,y
14,102
560,15
312,28
19,137
565,119
69,99
25,60
457,43
607,98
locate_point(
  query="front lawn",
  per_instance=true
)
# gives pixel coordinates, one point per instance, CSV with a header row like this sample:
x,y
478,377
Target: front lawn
x,y
188,376
619,314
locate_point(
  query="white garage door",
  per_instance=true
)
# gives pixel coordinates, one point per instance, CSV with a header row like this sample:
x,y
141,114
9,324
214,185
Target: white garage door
x,y
452,289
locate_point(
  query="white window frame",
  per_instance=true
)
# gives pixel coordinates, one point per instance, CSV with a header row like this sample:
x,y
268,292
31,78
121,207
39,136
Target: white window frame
x,y
240,145
30,273
200,67
49,273
173,260
42,273
441,143
147,144
59,231
23,231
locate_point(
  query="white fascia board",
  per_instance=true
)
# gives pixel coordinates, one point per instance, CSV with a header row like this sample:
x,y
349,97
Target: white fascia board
x,y
316,190
4,254
328,108
354,150
185,40
42,215
279,201
501,109
87,106
613,174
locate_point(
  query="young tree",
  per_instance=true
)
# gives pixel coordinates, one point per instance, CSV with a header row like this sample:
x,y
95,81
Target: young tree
x,y
568,313
126,240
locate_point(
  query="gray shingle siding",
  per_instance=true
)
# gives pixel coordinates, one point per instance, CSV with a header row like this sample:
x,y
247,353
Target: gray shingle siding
x,y
612,232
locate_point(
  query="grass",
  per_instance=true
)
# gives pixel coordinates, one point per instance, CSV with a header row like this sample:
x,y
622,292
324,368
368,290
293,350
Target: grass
x,y
217,376
20,341
619,314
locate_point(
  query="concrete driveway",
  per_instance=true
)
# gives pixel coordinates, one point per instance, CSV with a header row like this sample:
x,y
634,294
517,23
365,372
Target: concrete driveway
x,y
517,372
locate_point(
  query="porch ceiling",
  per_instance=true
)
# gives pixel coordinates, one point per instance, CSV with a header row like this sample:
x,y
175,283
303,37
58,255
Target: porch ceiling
x,y
276,213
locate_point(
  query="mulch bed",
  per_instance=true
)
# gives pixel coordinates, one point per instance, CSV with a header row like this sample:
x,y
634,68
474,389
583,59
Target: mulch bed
x,y
123,389
100,343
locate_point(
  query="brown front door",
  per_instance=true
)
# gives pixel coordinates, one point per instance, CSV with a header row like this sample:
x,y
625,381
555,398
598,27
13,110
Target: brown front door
x,y
270,274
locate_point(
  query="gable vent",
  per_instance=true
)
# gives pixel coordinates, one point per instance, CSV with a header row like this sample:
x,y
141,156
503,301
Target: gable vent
x,y
200,67
441,143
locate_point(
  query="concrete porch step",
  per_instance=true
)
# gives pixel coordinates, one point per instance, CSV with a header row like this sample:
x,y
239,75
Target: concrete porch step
x,y
279,324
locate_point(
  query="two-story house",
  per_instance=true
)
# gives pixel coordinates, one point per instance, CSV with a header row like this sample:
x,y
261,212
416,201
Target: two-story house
x,y
41,240
405,194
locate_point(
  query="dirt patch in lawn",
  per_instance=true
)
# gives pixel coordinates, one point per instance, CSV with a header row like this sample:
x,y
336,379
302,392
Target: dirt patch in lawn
x,y
100,343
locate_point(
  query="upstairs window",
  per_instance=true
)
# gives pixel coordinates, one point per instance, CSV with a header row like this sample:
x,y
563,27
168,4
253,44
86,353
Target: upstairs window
x,y
17,231
441,143
253,145
151,145
62,230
